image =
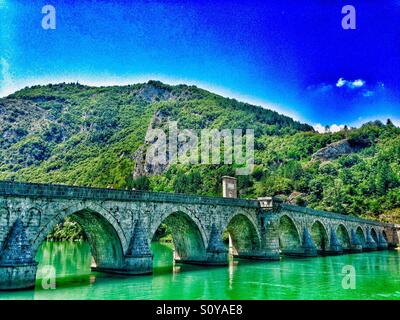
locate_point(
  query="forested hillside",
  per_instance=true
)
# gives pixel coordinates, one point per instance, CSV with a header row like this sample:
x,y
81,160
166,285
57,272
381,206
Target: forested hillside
x,y
93,136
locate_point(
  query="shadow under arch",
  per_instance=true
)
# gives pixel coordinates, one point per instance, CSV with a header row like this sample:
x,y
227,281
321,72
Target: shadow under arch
x,y
289,236
319,236
188,241
243,235
343,237
105,237
360,235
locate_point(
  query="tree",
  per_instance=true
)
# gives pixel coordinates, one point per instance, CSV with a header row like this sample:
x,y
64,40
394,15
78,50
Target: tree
x,y
346,131
385,178
389,123
292,170
334,196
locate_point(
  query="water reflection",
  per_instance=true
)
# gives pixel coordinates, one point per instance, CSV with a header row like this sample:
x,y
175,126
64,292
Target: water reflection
x,y
377,277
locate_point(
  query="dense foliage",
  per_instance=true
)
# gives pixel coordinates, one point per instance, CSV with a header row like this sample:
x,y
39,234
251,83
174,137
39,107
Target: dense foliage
x,y
80,135
67,231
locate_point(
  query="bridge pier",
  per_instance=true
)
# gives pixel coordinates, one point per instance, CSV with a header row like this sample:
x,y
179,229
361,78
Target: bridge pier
x,y
17,264
269,244
270,241
356,246
16,277
335,247
307,248
310,250
382,243
370,244
139,259
216,253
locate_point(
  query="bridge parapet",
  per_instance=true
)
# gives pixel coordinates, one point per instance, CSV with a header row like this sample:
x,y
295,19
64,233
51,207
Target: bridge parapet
x,y
19,189
331,215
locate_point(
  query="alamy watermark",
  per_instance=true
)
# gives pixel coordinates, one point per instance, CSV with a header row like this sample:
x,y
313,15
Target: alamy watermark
x,y
349,20
49,20
48,275
349,277
188,147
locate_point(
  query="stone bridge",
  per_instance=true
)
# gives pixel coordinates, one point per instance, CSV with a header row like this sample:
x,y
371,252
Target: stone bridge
x,y
120,226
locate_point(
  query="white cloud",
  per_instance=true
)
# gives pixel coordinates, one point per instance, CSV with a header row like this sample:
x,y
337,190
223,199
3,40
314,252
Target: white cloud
x,y
368,93
340,83
336,127
319,128
331,128
355,84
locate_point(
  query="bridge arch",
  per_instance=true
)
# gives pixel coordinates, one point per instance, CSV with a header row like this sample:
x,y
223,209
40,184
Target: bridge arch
x,y
106,238
360,235
374,235
243,233
187,236
344,237
319,236
289,235
384,235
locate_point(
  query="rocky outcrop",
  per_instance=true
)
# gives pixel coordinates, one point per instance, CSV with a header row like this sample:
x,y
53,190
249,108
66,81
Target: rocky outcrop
x,y
143,167
297,198
19,118
334,151
146,167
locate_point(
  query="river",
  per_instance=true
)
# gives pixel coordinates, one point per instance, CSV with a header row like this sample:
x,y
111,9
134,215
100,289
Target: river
x,y
377,277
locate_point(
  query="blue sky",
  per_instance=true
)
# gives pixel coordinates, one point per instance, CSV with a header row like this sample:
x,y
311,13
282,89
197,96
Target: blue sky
x,y
293,57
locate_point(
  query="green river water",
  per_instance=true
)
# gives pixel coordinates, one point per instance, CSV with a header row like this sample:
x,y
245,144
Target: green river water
x,y
377,277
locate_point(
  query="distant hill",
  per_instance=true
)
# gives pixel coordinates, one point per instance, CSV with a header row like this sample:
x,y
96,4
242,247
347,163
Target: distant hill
x,y
95,136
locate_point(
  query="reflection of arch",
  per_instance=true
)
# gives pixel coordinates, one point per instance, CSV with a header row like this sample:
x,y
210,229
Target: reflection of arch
x,y
187,237
289,237
374,235
319,236
360,235
104,235
344,237
243,234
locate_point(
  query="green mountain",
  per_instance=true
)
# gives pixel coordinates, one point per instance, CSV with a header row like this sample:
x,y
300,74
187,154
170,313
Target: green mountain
x,y
95,136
